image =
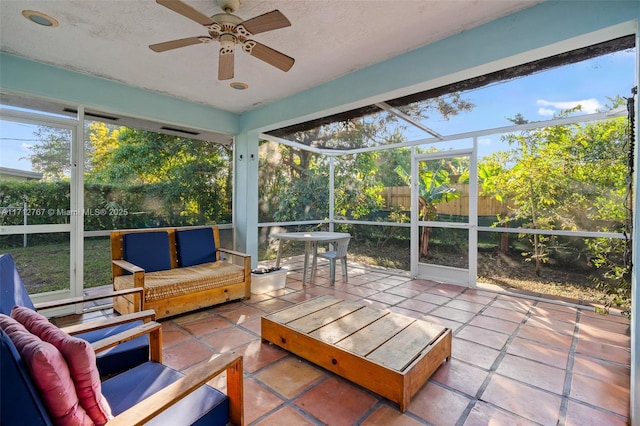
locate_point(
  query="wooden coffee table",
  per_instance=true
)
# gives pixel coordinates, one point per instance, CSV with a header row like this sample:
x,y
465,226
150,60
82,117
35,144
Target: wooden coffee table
x,y
387,353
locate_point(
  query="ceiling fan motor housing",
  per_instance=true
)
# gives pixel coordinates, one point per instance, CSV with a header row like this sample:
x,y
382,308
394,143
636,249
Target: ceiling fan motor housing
x,y
225,30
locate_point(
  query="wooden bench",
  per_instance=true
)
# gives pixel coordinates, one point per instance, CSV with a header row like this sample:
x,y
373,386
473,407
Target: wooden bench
x,y
389,354
179,270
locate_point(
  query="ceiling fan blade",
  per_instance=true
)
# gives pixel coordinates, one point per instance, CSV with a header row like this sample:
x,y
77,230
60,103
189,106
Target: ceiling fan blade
x,y
225,64
267,22
269,55
174,44
186,11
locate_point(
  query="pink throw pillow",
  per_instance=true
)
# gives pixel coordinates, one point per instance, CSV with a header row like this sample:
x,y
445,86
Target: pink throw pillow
x,y
80,358
50,374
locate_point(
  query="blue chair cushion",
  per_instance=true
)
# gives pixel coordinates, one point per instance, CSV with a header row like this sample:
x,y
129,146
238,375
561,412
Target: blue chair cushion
x,y
123,356
205,405
12,289
195,246
148,250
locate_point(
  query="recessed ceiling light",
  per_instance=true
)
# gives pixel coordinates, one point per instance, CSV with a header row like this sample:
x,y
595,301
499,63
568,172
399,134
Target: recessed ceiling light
x,y
239,85
40,18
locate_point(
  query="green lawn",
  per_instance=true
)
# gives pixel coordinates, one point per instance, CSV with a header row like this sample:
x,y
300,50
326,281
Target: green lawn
x,y
45,267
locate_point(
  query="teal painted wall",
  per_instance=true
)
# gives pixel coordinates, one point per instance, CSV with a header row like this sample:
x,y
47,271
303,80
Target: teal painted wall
x,y
40,80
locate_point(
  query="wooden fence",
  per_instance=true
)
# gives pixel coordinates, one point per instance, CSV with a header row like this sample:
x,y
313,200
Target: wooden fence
x,y
400,196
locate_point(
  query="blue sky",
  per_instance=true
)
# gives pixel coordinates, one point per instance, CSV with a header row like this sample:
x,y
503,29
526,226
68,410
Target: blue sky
x,y
536,97
14,139
539,96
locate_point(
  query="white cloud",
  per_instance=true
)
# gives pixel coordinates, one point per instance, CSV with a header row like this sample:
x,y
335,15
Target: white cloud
x,y
545,111
589,106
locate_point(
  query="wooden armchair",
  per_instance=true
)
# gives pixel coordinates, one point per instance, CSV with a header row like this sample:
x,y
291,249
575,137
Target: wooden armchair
x,y
168,387
147,394
111,361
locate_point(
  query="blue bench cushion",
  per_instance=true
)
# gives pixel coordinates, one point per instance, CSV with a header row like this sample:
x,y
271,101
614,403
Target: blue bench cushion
x,y
205,405
148,250
195,246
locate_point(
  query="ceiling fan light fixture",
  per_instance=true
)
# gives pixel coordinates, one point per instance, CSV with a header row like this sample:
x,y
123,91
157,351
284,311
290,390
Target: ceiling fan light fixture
x,y
40,18
238,85
227,42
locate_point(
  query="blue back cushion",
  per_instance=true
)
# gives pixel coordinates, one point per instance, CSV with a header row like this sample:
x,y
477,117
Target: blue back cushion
x,y
195,246
148,250
122,357
12,289
19,398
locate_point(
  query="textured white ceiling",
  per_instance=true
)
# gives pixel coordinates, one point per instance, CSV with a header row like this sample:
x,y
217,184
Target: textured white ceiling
x,y
328,39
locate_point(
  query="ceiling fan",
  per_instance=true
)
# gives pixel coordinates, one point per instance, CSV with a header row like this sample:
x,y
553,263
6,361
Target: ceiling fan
x,y
230,30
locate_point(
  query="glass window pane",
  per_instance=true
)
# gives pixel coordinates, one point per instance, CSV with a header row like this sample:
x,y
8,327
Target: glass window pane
x,y
585,270
97,262
444,247
357,187
42,260
293,184
142,179
443,189
35,170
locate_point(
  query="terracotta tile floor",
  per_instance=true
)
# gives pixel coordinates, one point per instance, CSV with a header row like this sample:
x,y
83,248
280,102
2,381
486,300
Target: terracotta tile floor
x,y
515,360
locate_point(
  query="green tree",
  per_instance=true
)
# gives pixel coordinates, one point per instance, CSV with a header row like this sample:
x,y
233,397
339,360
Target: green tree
x,y
194,175
51,156
605,166
388,160
357,186
102,141
563,177
536,182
